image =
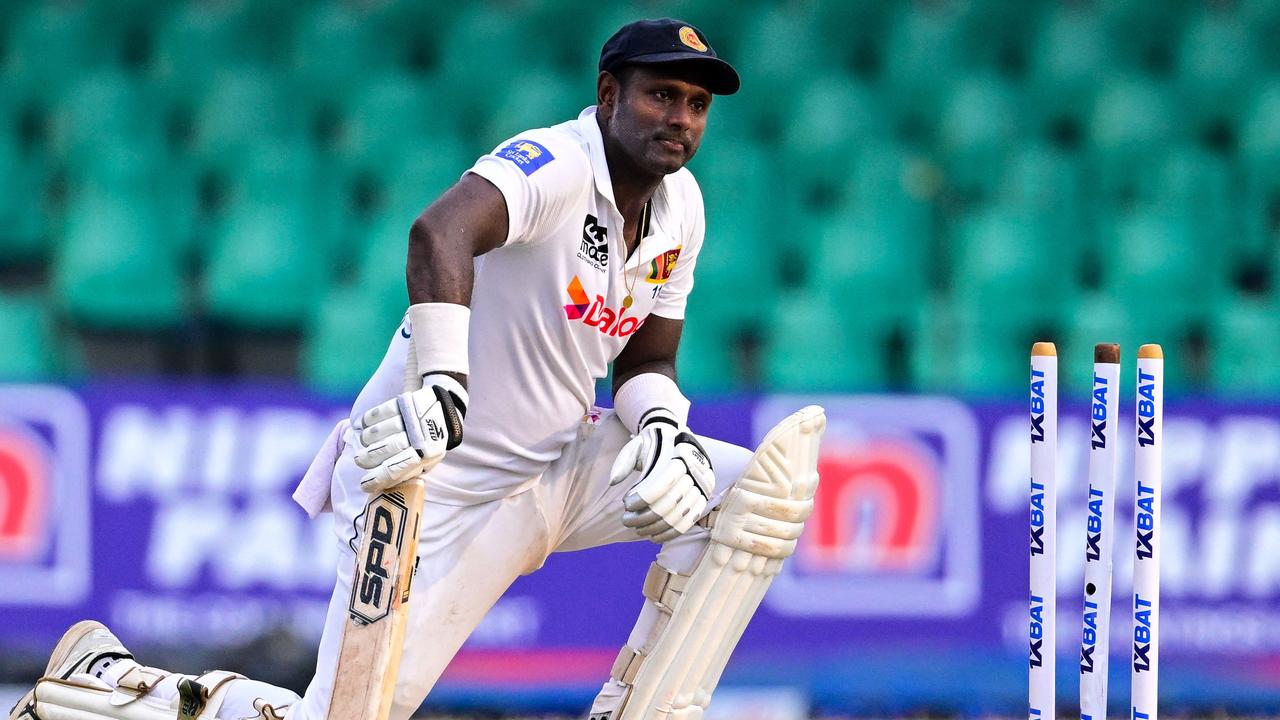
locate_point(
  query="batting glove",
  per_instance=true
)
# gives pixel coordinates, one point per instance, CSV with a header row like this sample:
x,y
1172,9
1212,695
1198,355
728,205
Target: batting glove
x,y
409,434
676,479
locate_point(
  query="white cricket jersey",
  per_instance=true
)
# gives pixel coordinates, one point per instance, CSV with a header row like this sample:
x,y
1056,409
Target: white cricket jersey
x,y
547,310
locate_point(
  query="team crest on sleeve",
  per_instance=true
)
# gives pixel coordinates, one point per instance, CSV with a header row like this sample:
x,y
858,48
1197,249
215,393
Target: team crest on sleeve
x,y
526,154
661,267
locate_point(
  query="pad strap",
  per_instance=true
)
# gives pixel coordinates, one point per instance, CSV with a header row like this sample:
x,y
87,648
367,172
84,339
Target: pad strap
x,y
664,587
627,665
139,679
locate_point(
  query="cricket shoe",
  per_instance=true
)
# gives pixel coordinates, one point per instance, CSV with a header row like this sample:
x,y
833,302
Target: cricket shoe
x,y
88,647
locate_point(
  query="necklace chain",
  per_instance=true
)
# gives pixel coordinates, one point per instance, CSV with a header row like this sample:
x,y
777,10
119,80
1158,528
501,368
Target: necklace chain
x,y
640,233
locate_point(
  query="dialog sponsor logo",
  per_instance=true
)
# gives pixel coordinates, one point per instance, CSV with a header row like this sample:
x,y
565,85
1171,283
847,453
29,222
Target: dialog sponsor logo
x,y
610,321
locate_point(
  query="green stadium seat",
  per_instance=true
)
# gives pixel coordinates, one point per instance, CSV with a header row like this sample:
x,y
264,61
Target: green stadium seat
x,y
1259,161
1068,57
1108,318
264,272
819,153
358,193
244,109
835,114
480,54
1132,123
809,347
52,43
925,52
336,49
963,349
113,269
1150,265
784,45
105,106
1245,345
380,270
400,25
275,173
996,33
982,121
138,171
1218,61
740,256
1264,17
344,341
124,170
709,360
26,337
391,111
1143,32
540,97
892,179
1197,186
195,41
1009,272
872,265
422,175
856,33
1044,181
23,221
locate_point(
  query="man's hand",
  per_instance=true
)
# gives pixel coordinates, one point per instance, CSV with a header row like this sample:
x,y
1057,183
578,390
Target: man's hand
x,y
675,484
409,434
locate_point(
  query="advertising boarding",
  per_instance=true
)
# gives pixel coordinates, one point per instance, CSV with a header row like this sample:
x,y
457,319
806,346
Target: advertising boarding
x,y
165,511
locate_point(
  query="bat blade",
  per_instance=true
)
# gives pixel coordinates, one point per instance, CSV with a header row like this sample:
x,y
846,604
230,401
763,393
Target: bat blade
x,y
373,636
378,612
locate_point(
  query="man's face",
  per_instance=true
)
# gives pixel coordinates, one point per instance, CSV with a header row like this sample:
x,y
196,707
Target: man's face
x,y
656,115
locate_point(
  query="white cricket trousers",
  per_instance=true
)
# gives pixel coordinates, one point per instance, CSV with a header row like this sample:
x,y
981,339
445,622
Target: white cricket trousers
x,y
469,556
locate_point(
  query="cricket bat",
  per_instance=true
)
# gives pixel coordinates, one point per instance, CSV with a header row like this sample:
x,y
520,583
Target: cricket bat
x,y
373,636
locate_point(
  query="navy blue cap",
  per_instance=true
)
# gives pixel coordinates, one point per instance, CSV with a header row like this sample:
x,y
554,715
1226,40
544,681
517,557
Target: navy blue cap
x,y
666,40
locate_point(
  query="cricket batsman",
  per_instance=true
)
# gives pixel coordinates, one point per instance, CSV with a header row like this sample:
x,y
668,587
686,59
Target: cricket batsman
x,y
564,250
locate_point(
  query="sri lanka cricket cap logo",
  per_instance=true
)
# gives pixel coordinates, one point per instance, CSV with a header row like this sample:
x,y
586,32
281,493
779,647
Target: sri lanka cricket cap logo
x,y
689,37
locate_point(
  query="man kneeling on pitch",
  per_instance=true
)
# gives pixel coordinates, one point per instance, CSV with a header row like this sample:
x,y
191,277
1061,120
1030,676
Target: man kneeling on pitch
x,y
564,250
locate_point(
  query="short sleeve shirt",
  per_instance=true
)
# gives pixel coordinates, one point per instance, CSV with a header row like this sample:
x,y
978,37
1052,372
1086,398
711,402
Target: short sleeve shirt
x,y
549,309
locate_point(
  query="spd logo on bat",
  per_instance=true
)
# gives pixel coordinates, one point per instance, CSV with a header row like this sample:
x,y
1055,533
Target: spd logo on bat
x,y
385,525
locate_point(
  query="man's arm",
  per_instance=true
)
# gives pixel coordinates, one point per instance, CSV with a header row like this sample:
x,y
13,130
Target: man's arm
x,y
468,220
651,349
675,481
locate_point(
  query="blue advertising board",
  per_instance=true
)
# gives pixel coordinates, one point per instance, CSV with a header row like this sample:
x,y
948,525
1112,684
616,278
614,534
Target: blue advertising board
x,y
165,511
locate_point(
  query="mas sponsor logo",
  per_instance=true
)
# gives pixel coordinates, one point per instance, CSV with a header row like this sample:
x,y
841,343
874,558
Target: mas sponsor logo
x,y
661,267
44,496
594,249
526,154
610,321
895,525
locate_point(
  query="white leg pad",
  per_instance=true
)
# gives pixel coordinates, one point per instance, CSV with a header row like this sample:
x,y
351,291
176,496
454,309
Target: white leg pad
x,y
84,697
703,615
